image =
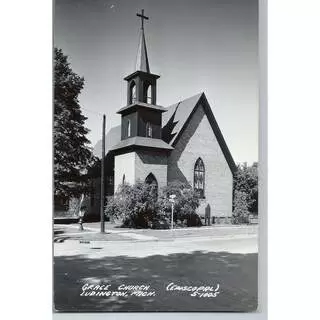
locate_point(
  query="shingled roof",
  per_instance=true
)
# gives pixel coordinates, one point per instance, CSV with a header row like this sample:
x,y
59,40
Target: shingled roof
x,y
143,105
142,142
174,120
112,138
176,116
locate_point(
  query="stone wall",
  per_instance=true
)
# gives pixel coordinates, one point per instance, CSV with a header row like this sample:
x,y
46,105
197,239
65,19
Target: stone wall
x,y
198,140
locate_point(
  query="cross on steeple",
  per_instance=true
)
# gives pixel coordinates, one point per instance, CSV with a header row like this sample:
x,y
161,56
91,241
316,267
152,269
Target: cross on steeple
x,y
143,17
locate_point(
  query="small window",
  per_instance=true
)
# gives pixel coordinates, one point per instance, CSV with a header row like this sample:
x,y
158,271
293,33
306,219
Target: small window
x,y
123,179
149,94
133,93
199,177
128,128
148,130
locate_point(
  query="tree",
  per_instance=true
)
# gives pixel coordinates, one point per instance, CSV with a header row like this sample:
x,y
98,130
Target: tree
x,y
72,155
135,205
246,182
185,205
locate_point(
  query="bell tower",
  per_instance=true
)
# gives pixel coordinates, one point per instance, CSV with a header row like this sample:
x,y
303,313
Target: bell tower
x,y
141,83
141,116
141,123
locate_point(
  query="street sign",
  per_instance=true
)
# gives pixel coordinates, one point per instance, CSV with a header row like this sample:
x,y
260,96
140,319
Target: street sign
x,y
172,197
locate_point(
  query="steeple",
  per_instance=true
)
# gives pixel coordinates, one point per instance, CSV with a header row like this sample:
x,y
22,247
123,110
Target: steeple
x,y
142,84
142,63
141,118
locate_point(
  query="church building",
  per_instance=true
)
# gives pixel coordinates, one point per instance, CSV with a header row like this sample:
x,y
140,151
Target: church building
x,y
160,144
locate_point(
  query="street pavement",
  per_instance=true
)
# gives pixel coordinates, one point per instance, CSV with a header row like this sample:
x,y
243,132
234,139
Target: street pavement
x,y
92,232
206,256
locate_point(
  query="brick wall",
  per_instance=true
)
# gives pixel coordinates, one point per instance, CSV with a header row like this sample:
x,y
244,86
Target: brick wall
x,y
198,140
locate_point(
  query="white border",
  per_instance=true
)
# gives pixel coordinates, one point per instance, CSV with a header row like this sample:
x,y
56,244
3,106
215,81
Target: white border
x,y
293,162
293,42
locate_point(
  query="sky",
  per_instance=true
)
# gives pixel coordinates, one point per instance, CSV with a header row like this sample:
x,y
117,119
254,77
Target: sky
x,y
208,46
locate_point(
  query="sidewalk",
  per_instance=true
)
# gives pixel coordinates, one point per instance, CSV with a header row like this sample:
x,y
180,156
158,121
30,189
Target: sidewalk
x,y
91,232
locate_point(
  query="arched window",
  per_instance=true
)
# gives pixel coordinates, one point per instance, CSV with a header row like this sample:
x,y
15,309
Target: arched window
x,y
128,128
148,130
149,94
151,179
133,92
199,177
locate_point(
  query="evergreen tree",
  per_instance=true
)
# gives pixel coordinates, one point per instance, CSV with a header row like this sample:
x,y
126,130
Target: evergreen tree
x,y
72,154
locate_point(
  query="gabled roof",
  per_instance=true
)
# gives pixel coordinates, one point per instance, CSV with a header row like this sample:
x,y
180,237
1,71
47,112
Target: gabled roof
x,y
176,116
174,122
176,119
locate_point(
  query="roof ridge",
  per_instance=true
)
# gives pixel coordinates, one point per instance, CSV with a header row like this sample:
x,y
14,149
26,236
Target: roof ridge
x,y
189,98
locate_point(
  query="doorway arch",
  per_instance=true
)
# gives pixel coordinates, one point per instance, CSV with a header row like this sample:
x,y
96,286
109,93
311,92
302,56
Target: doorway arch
x,y
151,179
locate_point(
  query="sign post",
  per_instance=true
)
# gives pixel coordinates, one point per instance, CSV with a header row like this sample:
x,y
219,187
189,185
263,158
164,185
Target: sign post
x,y
171,199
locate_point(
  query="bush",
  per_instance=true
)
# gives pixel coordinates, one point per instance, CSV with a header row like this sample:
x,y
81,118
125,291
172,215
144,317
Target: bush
x,y
135,205
138,207
185,205
241,211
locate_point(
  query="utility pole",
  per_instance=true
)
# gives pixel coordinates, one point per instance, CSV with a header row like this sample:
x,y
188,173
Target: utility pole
x,y
102,174
172,205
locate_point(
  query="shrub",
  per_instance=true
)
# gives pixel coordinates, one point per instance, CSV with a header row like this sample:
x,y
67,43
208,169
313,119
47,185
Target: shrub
x,y
241,211
185,205
138,207
135,205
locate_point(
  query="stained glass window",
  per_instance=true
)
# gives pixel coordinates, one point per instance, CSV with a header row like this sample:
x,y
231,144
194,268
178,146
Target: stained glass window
x,y
199,177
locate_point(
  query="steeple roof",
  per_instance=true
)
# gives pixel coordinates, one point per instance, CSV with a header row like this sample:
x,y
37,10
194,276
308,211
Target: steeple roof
x,y
142,63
